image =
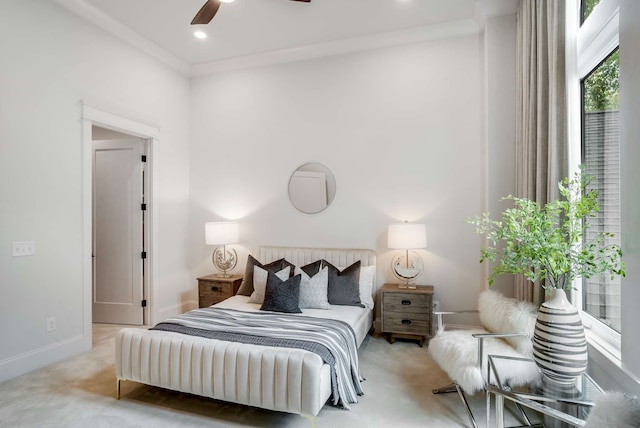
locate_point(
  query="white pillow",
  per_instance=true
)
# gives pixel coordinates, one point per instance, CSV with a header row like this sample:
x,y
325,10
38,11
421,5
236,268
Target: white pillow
x,y
365,284
260,282
313,289
367,273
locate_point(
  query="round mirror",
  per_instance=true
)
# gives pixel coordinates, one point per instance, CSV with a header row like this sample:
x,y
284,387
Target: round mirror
x,y
312,188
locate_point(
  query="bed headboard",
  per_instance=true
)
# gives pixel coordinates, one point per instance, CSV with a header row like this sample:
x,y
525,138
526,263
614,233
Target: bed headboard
x,y
302,256
339,257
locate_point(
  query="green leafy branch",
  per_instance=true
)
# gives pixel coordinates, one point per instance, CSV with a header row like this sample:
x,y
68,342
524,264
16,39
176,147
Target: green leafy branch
x,y
546,243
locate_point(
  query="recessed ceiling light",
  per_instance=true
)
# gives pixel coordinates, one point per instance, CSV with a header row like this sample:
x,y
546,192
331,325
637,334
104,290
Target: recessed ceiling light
x,y
200,34
226,1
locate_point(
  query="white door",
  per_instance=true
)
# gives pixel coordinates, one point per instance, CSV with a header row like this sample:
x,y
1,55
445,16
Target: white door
x,y
118,231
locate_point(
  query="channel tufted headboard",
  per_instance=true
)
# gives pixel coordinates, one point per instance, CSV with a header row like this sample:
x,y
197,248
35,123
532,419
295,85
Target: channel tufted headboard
x,y
301,256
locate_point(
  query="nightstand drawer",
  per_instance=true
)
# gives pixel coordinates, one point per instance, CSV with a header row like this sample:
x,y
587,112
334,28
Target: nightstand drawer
x,y
212,289
212,292
411,323
407,302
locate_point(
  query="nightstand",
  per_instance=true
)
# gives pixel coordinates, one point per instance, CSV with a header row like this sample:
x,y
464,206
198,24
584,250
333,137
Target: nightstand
x,y
214,289
406,313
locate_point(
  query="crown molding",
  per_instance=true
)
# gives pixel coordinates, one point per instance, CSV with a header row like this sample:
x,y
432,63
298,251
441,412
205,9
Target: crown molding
x,y
451,29
130,36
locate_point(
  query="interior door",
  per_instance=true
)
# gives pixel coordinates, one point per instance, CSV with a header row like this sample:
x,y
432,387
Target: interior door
x,y
118,241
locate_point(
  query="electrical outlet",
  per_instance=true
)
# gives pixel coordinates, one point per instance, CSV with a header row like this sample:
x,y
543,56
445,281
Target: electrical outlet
x,y
51,323
24,248
436,306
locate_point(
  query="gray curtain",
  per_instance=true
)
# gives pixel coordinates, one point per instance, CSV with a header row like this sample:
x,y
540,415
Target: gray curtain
x,y
541,118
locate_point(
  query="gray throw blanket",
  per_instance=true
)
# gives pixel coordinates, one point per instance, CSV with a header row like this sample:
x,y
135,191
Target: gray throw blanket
x,y
334,341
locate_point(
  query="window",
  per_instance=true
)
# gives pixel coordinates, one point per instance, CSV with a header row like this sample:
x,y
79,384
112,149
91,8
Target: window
x,y
601,158
594,94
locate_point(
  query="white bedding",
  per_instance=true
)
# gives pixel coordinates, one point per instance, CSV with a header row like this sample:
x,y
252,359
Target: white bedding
x,y
281,379
360,319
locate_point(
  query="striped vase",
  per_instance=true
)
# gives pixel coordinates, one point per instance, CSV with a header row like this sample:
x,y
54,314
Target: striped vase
x,y
559,344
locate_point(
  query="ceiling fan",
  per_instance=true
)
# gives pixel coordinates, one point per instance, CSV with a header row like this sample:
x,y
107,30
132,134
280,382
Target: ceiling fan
x,y
208,11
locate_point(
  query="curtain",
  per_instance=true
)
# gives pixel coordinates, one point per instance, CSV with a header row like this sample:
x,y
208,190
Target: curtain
x,y
541,118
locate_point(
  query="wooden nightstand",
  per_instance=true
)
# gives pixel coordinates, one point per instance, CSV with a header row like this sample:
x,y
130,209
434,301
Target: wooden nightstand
x,y
406,313
213,289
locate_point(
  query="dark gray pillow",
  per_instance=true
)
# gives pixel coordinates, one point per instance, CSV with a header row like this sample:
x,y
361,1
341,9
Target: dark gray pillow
x,y
282,296
312,268
246,288
344,287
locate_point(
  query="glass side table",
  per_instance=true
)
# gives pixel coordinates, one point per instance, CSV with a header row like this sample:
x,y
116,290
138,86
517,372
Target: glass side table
x,y
561,404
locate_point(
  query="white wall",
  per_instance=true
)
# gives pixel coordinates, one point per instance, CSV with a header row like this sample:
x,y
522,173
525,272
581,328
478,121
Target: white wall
x,y
500,78
50,61
401,129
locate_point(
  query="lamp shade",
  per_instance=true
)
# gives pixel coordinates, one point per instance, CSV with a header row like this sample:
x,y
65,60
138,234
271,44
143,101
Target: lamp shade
x,y
407,236
221,233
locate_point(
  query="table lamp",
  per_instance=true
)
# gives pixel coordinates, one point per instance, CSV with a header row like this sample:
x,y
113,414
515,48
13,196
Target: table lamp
x,y
222,233
407,265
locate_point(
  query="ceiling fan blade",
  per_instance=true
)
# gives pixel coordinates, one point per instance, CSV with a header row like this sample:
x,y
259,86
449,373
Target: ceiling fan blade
x,y
206,13
306,1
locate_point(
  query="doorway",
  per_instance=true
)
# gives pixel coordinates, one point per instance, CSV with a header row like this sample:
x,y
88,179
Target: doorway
x,y
119,216
130,128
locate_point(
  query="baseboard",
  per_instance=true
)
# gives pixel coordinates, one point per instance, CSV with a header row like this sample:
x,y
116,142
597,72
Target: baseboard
x,y
175,310
24,363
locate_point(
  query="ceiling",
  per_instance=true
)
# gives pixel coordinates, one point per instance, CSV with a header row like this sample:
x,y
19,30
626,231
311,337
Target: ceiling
x,y
258,32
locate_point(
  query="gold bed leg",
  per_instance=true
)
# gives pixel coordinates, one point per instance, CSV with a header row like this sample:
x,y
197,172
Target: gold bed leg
x,y
118,388
312,419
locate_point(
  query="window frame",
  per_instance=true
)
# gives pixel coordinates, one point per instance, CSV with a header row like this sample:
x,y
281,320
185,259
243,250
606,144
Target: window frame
x,y
595,39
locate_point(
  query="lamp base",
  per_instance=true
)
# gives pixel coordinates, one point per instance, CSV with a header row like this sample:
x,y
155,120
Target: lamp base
x,y
224,259
407,266
407,286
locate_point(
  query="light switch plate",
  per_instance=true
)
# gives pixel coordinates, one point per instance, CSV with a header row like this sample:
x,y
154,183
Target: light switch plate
x,y
24,248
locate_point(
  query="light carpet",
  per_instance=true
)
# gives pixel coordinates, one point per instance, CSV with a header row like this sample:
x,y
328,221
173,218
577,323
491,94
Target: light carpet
x,y
80,392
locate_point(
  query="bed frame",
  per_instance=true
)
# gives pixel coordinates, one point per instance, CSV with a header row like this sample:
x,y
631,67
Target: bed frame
x,y
281,379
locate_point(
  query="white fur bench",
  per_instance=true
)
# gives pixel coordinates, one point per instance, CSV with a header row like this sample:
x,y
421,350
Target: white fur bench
x,y
507,330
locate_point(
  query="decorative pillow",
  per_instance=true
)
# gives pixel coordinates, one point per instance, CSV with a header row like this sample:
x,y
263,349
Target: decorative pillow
x,y
365,284
344,286
246,288
313,289
260,277
282,296
312,268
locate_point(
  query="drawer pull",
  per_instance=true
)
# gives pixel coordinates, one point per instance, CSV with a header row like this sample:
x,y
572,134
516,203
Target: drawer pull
x,y
406,302
406,322
214,288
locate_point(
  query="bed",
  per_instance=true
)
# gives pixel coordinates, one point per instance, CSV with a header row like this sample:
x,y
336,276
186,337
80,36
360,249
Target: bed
x,y
276,378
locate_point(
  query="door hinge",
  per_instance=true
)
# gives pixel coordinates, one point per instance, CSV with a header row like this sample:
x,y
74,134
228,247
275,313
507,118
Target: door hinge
x,y
144,303
144,158
143,207
144,255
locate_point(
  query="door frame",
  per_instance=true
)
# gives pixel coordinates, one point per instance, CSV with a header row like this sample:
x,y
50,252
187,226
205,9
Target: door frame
x,y
93,116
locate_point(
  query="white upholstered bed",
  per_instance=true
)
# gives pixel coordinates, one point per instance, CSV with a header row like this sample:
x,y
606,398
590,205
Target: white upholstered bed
x,y
282,379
